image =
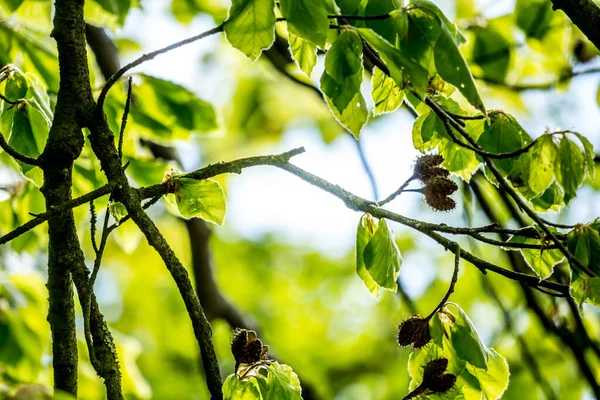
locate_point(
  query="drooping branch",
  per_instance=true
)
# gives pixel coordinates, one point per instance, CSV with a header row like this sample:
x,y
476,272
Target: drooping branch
x,y
149,56
15,154
576,343
507,187
585,14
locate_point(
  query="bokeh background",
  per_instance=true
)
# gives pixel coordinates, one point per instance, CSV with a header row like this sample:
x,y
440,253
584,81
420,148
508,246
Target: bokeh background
x,y
285,257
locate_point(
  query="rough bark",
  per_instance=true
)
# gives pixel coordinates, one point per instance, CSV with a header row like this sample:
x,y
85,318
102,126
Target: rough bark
x,y
65,257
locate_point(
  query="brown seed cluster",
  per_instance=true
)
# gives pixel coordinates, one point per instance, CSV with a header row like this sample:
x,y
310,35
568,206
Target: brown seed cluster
x,y
247,348
438,187
434,377
414,331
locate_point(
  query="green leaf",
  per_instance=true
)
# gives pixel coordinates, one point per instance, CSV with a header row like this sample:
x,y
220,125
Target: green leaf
x,y
589,155
551,199
170,111
306,19
117,211
587,289
466,341
281,383
459,160
386,94
400,21
501,137
541,169
533,17
250,27
201,198
382,257
241,389
434,10
453,68
397,63
364,233
493,380
16,86
304,53
542,262
584,243
423,32
570,173
492,52
343,70
355,115
29,132
385,28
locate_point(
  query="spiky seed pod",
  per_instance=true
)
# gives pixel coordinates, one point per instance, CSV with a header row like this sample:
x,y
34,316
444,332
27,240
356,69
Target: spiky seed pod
x,y
253,352
436,193
441,383
434,368
427,167
440,185
427,175
414,331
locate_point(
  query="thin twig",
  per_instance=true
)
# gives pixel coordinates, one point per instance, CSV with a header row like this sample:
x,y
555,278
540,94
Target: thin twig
x,y
508,188
149,56
93,221
452,283
15,154
43,217
13,102
124,118
401,189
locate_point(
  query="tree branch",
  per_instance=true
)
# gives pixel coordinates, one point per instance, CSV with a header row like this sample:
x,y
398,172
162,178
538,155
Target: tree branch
x,y
585,14
15,154
149,56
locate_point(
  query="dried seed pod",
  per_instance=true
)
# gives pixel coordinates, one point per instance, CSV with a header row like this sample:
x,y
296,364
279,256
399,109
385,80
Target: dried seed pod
x,y
427,167
414,331
239,343
247,349
441,383
436,193
433,172
434,369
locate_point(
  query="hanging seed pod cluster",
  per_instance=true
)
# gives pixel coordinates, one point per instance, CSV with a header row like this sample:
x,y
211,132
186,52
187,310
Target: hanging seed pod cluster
x,y
437,185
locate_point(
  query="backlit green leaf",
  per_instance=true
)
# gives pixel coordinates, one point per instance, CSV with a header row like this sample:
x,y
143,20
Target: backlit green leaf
x,y
571,171
386,94
589,154
304,53
453,68
501,137
201,198
355,115
467,343
584,243
493,380
365,231
542,262
343,70
397,62
382,257
541,172
306,19
250,27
